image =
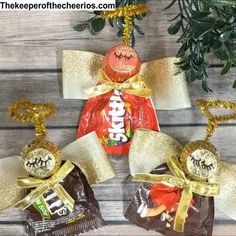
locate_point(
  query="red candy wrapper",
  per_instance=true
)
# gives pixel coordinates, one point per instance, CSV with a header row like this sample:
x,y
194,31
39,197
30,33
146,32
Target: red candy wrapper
x,y
115,115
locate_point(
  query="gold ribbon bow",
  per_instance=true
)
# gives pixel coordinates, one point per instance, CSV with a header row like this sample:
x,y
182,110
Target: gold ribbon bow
x,y
179,180
43,185
135,86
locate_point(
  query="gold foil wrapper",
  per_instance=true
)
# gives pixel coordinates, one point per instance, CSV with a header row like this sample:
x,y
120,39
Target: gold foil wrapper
x,y
88,154
149,149
167,81
199,160
41,158
10,169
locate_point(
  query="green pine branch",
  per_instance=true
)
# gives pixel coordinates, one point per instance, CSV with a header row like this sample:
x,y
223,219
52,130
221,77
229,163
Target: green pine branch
x,y
96,23
206,26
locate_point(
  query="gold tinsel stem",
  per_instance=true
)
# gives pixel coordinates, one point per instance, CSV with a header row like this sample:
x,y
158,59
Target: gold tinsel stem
x,y
214,120
25,111
128,13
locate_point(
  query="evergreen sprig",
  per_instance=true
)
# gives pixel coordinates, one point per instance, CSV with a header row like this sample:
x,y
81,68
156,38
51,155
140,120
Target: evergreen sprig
x,y
206,26
96,23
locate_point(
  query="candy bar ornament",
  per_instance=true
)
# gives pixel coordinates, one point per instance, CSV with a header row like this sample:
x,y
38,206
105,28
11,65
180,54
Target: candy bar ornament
x,y
58,199
177,197
119,90
119,103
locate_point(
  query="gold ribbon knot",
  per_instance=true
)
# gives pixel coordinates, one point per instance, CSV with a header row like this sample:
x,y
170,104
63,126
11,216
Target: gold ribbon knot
x,y
179,180
135,86
43,185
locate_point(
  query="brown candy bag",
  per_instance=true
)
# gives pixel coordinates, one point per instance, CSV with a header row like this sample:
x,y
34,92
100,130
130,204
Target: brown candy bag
x,y
59,199
49,216
160,202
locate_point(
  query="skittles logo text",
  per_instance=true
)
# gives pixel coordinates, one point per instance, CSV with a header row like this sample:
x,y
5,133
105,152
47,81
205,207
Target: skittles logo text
x,y
117,113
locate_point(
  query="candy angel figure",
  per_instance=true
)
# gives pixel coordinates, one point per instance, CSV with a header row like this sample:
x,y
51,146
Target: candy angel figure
x,y
123,94
165,204
58,198
119,103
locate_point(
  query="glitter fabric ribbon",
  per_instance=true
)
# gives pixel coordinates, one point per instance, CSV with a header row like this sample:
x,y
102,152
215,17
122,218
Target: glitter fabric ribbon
x,y
179,180
135,86
43,185
167,81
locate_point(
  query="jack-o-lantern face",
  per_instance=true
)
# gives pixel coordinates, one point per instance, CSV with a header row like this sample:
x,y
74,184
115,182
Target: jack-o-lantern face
x,y
200,160
41,158
121,63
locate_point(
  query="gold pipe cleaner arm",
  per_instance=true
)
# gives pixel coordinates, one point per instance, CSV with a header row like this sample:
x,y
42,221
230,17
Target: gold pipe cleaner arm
x,y
128,13
25,111
214,120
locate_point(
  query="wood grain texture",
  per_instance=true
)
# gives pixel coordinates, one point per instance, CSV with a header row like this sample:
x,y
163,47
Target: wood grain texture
x,y
13,140
48,87
32,40
30,67
115,230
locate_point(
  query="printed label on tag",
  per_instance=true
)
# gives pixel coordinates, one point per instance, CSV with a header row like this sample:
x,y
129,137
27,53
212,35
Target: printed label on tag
x,y
50,204
40,205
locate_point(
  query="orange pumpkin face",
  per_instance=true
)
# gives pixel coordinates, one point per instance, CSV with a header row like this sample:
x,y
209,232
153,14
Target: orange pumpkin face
x,y
121,63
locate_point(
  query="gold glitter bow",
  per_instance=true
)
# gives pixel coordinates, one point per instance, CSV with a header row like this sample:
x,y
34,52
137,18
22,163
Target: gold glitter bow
x,y
43,185
135,86
128,13
179,180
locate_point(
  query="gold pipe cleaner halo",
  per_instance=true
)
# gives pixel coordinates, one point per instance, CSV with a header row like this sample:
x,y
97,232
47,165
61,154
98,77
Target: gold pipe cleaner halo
x,y
41,158
214,120
200,159
128,13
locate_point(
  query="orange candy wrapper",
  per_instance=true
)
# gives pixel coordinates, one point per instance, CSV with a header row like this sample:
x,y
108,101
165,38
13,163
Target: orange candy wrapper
x,y
124,105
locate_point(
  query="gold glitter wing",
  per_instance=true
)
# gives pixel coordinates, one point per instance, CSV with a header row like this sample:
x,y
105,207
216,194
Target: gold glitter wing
x,y
151,148
168,84
163,77
88,154
10,169
226,177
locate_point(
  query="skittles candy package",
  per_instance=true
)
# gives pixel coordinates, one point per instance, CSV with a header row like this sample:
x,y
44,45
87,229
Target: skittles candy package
x,y
119,103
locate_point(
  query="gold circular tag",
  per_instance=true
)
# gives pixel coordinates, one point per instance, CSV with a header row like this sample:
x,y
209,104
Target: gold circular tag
x,y
41,158
199,160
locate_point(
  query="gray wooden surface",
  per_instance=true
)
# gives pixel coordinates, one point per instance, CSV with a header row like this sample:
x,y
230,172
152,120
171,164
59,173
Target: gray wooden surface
x,y
30,67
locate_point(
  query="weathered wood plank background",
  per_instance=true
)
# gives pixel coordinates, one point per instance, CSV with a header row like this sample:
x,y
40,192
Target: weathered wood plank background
x,y
30,66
